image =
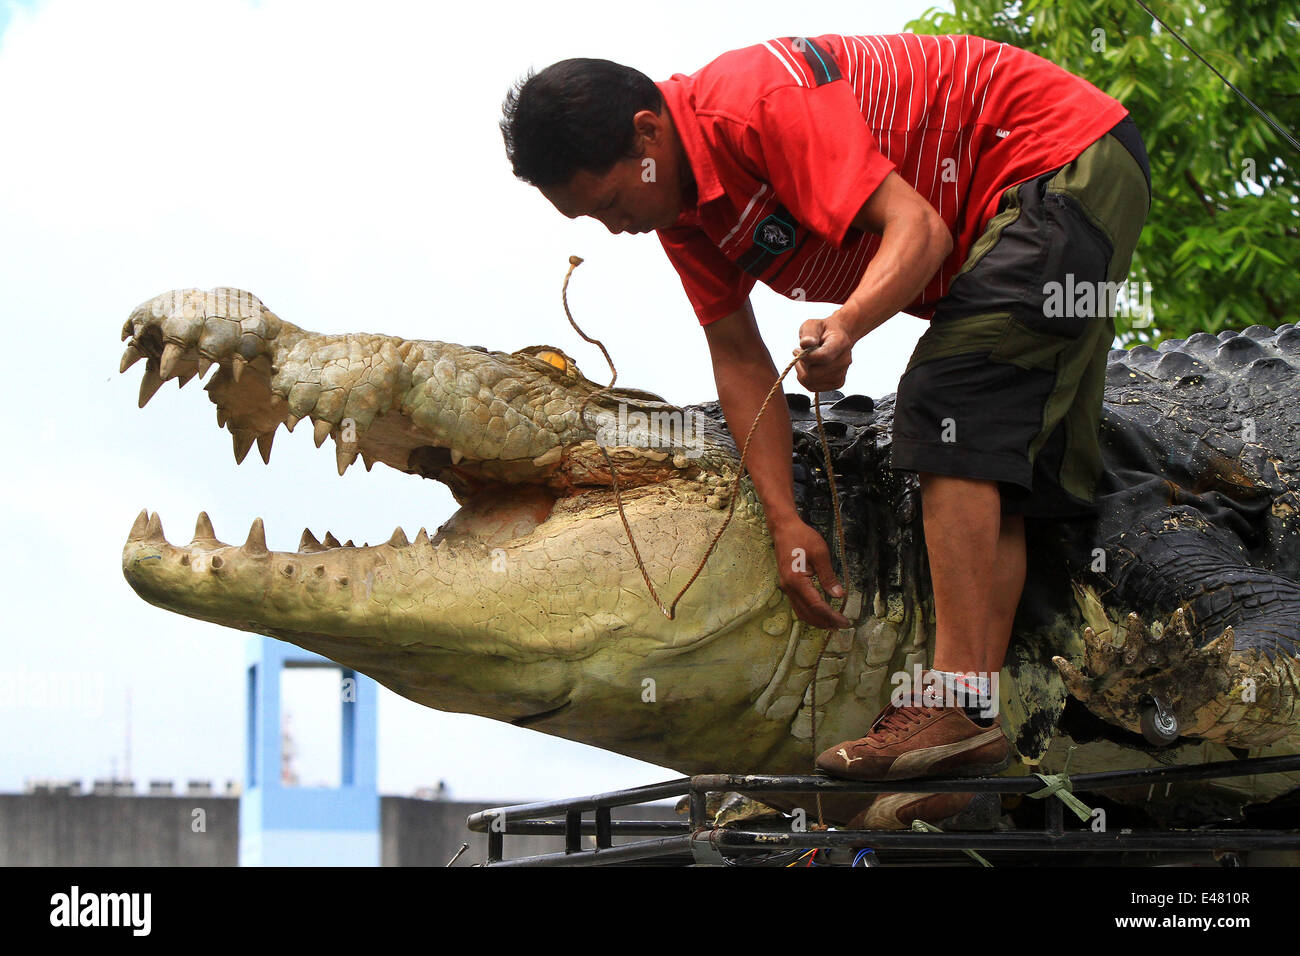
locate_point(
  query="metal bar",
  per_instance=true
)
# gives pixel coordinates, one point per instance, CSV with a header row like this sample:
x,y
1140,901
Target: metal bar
x,y
1054,811
604,835
619,798
572,831
699,803
1221,768
523,818
800,783
746,841
628,853
760,841
543,827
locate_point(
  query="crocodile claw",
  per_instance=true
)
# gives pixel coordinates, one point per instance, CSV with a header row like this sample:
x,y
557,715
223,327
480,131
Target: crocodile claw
x,y
1162,661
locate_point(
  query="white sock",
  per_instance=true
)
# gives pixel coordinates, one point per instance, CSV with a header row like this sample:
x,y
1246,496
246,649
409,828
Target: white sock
x,y
965,689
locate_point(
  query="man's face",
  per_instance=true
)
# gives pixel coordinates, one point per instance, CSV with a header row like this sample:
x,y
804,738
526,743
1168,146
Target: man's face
x,y
636,194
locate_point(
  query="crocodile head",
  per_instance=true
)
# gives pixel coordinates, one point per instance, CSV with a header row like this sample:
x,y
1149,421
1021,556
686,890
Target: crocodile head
x,y
528,605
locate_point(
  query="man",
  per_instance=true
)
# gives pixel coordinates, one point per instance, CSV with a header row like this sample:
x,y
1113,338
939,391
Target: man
x,y
949,177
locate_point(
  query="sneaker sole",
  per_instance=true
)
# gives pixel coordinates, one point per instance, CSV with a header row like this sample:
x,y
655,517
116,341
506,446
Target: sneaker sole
x,y
917,763
982,813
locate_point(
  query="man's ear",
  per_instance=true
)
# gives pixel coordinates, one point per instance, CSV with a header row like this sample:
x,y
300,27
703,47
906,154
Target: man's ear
x,y
650,128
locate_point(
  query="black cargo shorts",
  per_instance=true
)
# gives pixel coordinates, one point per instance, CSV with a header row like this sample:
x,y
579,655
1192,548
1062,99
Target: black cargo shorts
x,y
1006,383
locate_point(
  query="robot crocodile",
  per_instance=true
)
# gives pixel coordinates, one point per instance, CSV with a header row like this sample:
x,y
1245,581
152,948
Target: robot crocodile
x,y
1165,630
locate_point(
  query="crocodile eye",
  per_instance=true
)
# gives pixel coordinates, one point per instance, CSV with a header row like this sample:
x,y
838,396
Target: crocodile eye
x,y
553,358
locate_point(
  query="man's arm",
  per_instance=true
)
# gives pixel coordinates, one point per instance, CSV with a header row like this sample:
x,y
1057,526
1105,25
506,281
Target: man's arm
x,y
913,245
914,242
744,373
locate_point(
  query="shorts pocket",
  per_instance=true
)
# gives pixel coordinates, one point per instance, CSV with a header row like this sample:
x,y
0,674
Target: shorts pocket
x,y
1072,291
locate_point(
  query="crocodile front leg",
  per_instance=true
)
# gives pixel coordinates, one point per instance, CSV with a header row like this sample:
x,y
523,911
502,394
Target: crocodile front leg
x,y
1218,662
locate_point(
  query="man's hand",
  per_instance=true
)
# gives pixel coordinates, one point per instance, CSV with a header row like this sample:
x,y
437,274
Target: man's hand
x,y
825,368
801,553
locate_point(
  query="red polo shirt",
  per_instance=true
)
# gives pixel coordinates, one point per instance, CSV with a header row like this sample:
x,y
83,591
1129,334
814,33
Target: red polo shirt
x,y
788,138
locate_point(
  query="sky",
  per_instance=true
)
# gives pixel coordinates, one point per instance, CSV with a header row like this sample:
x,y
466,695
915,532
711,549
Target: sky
x,y
343,163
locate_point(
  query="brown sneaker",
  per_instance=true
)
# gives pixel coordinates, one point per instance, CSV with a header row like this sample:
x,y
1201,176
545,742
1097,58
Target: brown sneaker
x,y
907,742
947,811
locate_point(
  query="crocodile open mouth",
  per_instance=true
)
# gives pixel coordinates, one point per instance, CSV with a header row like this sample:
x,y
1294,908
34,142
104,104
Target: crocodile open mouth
x,y
500,430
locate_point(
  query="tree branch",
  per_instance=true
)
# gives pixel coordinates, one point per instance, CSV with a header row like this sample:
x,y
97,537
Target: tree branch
x,y
1200,193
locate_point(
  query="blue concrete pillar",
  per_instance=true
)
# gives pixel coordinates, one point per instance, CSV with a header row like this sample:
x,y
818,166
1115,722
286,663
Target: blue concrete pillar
x,y
307,826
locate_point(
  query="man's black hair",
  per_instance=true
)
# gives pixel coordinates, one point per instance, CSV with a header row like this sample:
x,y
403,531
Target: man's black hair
x,y
573,116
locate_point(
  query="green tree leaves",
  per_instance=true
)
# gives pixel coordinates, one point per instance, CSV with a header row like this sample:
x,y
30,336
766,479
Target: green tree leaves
x,y
1221,247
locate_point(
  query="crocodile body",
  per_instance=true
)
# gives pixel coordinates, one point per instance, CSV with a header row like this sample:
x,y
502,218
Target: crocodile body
x,y
528,604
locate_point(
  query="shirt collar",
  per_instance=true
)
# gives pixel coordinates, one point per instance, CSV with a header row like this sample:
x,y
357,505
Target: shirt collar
x,y
680,100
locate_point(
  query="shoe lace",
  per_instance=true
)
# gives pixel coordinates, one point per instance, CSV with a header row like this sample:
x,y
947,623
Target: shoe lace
x,y
900,718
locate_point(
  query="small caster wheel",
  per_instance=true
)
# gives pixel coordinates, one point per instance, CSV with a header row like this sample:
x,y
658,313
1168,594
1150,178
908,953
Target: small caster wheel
x,y
1159,726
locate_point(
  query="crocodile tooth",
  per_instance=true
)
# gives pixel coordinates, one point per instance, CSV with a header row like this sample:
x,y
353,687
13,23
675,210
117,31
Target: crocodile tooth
x,y
398,540
154,530
456,456
331,541
237,368
221,417
322,431
183,378
203,533
126,330
291,421
138,528
548,457
422,537
205,363
243,441
130,357
345,458
368,461
171,355
150,384
308,543
264,446
256,543
348,543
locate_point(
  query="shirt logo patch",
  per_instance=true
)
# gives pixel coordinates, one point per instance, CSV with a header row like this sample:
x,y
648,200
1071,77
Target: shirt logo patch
x,y
775,235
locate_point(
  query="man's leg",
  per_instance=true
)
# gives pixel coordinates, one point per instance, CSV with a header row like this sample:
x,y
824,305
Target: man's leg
x,y
977,569
962,526
1008,582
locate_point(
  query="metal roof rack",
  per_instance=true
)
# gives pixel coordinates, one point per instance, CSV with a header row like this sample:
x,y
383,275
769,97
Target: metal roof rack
x,y
698,841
